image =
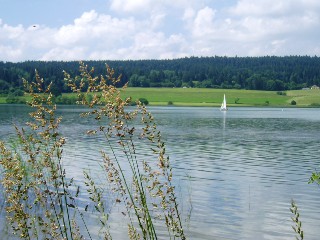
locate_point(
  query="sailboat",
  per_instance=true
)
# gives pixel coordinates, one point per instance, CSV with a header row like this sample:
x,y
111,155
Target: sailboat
x,y
224,104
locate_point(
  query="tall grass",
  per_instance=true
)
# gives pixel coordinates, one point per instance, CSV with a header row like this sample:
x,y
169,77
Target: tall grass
x,y
41,201
37,190
146,191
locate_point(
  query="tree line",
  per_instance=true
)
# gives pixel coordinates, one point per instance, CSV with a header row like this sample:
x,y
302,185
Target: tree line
x,y
253,73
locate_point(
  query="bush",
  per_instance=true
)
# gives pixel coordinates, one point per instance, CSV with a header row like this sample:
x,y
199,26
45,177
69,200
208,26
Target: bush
x,y
144,101
315,105
237,86
170,103
12,99
293,102
282,93
18,92
68,100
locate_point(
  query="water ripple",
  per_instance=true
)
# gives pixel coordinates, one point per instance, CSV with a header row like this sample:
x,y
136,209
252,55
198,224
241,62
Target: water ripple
x,y
235,173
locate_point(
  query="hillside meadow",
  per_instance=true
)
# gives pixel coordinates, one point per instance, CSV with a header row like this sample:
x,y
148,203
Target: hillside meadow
x,y
213,97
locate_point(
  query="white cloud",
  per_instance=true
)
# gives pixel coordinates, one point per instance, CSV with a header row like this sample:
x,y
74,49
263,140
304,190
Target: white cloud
x,y
156,45
254,28
15,41
10,32
69,54
261,8
93,33
13,54
188,14
148,45
165,29
262,18
141,6
131,6
98,36
203,23
275,8
157,20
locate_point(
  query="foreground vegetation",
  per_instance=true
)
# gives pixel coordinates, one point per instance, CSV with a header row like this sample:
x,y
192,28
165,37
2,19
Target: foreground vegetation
x,y
204,97
43,202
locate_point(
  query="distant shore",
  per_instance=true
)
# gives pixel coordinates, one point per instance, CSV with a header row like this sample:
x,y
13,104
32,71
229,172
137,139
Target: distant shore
x,y
206,97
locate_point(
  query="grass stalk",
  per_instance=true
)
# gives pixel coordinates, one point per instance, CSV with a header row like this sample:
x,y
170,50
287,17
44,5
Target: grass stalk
x,y
298,225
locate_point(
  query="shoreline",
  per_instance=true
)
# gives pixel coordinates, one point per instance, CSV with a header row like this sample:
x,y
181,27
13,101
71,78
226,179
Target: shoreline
x,y
155,104
204,97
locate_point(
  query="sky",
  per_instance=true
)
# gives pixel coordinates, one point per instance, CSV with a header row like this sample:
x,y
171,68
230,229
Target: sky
x,y
65,30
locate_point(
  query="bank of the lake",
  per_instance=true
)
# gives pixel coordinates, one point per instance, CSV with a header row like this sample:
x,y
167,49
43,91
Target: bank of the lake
x,y
207,97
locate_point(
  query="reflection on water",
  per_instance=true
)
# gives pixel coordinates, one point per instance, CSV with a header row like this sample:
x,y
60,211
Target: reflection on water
x,y
236,172
224,113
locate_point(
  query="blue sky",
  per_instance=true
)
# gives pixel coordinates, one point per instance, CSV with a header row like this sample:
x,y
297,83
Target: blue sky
x,y
154,29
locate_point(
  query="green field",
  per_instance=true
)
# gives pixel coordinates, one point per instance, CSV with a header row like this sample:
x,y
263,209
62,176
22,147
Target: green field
x,y
213,97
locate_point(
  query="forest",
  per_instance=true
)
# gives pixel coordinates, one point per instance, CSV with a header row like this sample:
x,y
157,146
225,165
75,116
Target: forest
x,y
253,73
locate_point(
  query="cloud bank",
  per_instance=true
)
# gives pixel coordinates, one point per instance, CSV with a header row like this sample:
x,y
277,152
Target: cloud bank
x,y
142,29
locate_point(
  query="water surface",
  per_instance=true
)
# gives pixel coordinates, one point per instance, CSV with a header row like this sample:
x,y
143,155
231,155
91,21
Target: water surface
x,y
236,172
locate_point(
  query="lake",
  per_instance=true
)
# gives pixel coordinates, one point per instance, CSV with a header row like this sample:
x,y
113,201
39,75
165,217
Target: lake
x,y
235,172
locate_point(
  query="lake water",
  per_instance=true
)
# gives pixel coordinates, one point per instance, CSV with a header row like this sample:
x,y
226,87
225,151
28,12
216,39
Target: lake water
x,y
236,172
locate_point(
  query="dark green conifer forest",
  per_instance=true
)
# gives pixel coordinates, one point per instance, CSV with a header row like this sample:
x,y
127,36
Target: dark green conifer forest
x,y
253,73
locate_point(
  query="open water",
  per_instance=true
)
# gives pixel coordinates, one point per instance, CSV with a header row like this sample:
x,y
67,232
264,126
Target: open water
x,y
236,171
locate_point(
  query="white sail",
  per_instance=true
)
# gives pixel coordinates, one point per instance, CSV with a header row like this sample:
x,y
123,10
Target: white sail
x,y
224,104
